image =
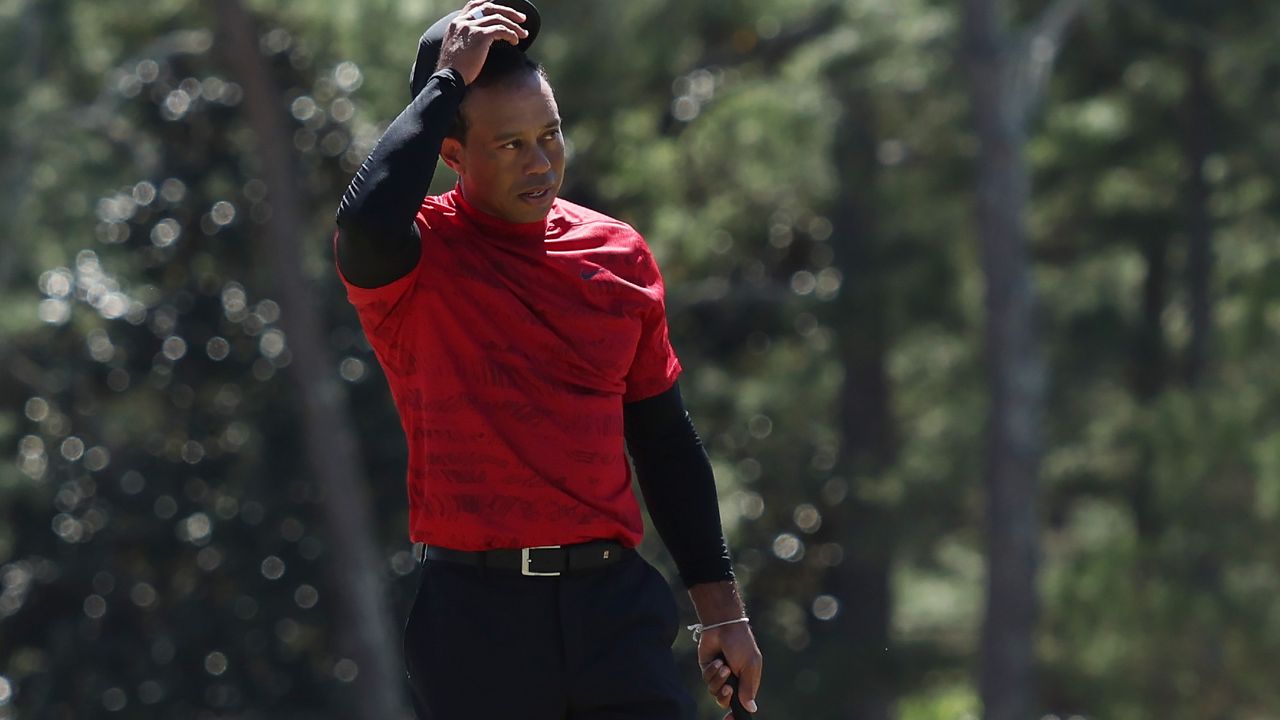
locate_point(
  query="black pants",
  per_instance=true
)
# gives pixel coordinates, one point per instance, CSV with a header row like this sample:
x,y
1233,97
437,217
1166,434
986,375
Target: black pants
x,y
487,644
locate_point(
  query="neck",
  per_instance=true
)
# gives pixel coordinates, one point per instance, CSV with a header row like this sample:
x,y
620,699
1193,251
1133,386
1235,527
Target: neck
x,y
495,225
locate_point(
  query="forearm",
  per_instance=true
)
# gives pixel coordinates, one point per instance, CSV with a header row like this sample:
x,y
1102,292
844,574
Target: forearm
x,y
679,489
717,602
377,236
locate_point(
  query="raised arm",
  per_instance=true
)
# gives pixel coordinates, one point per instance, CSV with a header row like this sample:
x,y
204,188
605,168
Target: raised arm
x,y
377,240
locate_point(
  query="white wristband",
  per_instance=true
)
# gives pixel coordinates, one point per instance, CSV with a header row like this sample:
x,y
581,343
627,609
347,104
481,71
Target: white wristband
x,y
698,628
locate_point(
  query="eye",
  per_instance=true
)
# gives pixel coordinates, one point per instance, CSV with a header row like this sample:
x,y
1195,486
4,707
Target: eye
x,y
551,134
511,145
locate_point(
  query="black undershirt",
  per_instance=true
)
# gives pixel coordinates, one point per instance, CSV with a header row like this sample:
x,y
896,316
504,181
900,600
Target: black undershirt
x,y
377,238
378,242
674,474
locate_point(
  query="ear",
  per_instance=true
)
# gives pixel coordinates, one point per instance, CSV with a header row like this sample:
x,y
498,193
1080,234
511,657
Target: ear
x,y
451,150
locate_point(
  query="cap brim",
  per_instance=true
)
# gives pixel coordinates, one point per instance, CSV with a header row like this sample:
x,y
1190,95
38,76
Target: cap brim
x,y
532,20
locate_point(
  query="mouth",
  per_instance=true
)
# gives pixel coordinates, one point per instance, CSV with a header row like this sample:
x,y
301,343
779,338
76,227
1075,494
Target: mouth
x,y
537,194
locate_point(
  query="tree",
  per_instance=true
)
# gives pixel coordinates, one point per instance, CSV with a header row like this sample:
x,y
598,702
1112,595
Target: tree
x,y
802,169
319,398
1007,80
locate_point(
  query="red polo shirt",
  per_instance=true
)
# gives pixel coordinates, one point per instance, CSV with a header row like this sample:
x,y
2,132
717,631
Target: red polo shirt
x,y
509,351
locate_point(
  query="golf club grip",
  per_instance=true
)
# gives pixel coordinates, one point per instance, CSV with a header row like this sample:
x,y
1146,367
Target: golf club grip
x,y
735,705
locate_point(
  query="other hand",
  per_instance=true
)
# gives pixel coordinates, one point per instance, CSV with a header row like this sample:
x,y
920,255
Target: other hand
x,y
737,645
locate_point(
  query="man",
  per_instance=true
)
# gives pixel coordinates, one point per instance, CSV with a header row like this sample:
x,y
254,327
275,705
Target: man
x,y
524,340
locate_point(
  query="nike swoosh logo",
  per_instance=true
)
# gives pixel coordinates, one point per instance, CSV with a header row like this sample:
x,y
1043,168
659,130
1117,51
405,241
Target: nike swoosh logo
x,y
588,274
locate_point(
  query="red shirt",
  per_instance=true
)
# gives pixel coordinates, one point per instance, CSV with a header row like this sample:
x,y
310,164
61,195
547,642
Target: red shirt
x,y
509,351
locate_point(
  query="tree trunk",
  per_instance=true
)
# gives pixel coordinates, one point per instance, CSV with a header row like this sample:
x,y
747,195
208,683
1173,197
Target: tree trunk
x,y
862,581
868,444
1150,371
1150,375
1014,369
1197,142
20,157
363,620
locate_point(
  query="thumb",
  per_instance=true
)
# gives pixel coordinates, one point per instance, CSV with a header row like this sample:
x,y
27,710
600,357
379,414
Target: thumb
x,y
749,684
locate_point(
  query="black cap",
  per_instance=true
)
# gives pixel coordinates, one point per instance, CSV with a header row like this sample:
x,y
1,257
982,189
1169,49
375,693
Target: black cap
x,y
429,46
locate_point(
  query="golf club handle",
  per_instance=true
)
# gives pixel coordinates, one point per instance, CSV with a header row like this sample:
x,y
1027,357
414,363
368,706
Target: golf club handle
x,y
735,704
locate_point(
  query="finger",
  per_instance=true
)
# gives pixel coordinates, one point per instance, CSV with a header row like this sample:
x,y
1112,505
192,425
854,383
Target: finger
x,y
494,10
483,26
491,29
465,13
495,34
490,21
496,27
723,697
714,669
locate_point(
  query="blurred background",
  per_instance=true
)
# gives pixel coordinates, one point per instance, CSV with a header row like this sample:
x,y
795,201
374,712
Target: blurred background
x,y
979,305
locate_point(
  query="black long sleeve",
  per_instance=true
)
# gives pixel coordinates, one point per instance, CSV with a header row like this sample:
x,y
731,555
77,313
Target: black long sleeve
x,y
679,488
377,239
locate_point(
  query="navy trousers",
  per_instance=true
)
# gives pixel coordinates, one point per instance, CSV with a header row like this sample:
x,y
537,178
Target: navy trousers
x,y
485,644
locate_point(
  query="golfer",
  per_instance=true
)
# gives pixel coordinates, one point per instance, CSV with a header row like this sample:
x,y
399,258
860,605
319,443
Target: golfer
x,y
524,340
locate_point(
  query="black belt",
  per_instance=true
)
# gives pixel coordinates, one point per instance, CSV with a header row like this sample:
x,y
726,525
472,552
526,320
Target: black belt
x,y
547,560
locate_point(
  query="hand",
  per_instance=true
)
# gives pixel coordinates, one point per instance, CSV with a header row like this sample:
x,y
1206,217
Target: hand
x,y
737,646
467,40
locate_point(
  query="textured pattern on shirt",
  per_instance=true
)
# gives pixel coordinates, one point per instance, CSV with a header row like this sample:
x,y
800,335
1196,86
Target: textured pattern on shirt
x,y
509,350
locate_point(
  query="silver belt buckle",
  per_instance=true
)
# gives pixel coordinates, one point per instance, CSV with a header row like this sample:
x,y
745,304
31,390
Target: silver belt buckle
x,y
524,561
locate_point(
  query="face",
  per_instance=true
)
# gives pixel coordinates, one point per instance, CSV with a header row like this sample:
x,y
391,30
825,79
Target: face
x,y
512,162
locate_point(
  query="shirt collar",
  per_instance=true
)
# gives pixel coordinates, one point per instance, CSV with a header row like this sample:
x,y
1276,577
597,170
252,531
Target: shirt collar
x,y
494,226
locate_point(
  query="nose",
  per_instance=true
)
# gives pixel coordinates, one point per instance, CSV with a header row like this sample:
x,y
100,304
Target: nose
x,y
538,162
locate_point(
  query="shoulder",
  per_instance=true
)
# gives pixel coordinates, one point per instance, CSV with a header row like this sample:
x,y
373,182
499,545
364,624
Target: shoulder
x,y
574,216
611,242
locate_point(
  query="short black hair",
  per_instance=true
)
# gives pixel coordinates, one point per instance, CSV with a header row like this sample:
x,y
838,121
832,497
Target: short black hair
x,y
504,65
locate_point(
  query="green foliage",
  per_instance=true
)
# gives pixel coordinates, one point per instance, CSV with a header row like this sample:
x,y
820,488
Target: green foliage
x,y
955,702
803,171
